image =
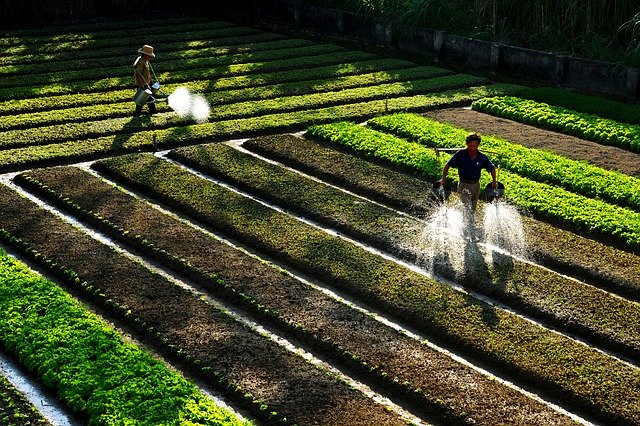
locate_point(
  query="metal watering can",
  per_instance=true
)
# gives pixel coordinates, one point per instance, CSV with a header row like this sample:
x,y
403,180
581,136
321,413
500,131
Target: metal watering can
x,y
491,193
440,193
146,96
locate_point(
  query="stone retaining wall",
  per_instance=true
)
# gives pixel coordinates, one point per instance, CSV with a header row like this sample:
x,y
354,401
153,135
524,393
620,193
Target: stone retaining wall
x,y
595,77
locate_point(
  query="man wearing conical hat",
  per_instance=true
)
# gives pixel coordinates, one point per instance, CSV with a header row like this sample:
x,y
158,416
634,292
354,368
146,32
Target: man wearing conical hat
x,y
142,75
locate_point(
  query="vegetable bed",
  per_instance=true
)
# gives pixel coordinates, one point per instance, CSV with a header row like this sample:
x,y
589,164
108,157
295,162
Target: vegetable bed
x,y
287,321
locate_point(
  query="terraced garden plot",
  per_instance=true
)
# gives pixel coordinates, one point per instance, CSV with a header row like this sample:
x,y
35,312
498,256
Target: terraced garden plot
x,y
264,83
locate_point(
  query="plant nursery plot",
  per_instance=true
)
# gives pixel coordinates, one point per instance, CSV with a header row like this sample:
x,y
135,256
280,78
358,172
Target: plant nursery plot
x,y
269,235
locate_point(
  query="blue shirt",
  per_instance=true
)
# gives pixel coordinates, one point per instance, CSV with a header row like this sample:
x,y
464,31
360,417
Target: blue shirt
x,y
469,169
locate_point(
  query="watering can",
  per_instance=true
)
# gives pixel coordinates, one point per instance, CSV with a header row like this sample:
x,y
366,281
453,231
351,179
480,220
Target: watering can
x,y
439,192
491,193
142,96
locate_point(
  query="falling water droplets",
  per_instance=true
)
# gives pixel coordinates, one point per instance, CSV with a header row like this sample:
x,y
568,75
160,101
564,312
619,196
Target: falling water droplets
x,y
503,229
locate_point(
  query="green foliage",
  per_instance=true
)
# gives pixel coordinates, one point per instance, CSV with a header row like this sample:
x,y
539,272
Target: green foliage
x,y
604,108
498,335
586,126
542,166
93,370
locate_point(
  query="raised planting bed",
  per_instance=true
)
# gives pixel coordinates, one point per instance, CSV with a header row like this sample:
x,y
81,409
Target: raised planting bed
x,y
575,255
594,314
86,362
277,386
576,373
587,126
445,392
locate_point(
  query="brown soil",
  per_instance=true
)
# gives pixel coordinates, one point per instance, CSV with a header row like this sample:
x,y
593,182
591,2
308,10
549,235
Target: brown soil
x,y
607,157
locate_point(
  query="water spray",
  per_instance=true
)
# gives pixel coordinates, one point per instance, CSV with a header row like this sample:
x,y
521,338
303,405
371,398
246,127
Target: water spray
x,y
188,104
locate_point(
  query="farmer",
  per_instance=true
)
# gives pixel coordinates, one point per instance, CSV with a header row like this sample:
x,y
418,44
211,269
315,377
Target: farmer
x,y
470,162
142,74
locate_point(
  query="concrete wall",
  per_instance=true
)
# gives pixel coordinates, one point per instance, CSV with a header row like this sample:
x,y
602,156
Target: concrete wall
x,y
595,77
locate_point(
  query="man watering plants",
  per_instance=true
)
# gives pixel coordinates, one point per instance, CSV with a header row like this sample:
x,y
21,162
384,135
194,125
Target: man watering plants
x,y
142,73
470,162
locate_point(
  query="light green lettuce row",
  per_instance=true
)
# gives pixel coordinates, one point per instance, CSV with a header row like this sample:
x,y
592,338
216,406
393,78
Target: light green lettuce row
x,y
542,166
586,126
88,363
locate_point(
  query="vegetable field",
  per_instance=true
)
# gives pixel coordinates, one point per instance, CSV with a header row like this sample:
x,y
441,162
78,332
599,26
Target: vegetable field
x,y
265,266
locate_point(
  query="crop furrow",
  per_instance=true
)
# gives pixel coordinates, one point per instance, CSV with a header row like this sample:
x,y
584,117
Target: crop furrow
x,y
577,374
276,386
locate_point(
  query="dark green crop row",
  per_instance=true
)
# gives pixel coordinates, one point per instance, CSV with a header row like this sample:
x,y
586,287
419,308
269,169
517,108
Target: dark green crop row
x,y
585,126
204,74
249,60
542,166
70,131
216,98
544,200
95,30
537,291
13,159
605,108
272,84
89,365
239,42
575,372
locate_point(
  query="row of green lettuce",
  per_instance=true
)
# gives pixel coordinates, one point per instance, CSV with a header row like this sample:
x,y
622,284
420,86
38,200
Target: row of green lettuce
x,y
92,369
544,200
583,125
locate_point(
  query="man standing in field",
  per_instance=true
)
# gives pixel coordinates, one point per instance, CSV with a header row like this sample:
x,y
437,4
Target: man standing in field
x,y
469,162
142,75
